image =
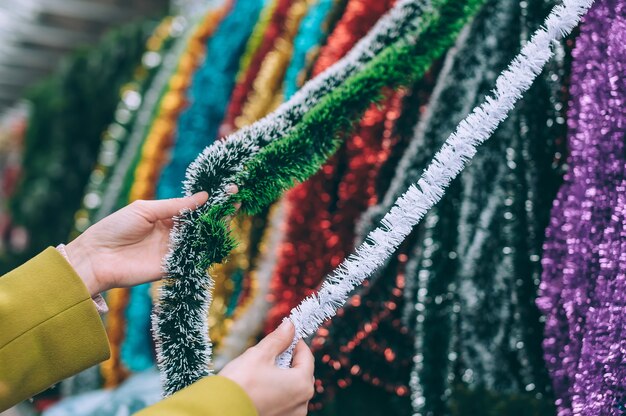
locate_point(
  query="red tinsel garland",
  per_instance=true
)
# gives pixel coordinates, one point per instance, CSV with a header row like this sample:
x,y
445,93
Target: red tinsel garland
x,y
322,211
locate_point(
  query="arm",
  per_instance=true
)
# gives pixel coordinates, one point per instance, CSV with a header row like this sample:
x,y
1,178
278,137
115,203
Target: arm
x,y
49,327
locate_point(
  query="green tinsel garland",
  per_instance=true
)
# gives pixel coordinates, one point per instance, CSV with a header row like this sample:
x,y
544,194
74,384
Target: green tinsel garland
x,y
202,237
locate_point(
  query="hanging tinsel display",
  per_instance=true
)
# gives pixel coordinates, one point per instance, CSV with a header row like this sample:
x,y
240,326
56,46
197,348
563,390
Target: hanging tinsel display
x,y
321,212
432,276
79,101
199,123
277,165
136,351
259,268
584,260
266,94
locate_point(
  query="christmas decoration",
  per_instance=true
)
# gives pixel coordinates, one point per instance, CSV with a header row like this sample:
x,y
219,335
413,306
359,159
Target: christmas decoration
x,y
318,224
199,123
458,149
397,64
584,258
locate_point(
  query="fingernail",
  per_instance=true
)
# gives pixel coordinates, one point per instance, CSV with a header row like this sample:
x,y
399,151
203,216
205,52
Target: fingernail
x,y
284,326
232,188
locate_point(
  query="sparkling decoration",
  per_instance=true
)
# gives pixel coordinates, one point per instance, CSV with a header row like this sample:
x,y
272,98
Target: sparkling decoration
x,y
585,251
400,63
318,224
271,31
199,123
450,160
137,352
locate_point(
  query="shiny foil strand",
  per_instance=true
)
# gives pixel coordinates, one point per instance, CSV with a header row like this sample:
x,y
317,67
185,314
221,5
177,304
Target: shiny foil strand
x,y
228,157
583,278
312,247
447,164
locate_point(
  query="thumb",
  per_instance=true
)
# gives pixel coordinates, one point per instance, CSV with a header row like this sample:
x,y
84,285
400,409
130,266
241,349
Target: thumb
x,y
279,340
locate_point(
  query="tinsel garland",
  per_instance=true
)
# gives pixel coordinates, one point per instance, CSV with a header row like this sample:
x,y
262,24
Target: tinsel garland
x,y
265,95
397,64
311,34
245,82
317,223
251,314
584,259
470,68
199,123
458,149
137,350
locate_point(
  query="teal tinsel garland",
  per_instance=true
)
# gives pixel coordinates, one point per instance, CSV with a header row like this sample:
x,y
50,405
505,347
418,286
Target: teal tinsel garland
x,y
209,93
312,32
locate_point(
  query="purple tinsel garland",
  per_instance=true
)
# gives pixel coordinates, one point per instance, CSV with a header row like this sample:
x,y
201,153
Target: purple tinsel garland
x,y
583,292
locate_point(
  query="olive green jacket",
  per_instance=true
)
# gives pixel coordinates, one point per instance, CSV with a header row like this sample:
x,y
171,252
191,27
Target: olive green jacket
x,y
50,330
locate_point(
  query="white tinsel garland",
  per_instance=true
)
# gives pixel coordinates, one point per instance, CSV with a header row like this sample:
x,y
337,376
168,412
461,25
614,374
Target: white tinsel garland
x,y
456,152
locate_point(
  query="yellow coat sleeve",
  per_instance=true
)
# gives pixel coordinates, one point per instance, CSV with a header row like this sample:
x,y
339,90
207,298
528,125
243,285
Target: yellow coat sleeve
x,y
49,327
50,330
211,396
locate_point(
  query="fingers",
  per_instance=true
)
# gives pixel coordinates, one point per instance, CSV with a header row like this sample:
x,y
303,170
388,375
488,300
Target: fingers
x,y
303,358
168,208
279,340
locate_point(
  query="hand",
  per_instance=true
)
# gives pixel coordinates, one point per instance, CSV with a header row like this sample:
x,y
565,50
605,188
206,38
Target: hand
x,y
127,247
275,391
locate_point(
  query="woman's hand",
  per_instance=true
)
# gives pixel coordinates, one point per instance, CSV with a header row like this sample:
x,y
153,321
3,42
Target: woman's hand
x,y
275,391
127,247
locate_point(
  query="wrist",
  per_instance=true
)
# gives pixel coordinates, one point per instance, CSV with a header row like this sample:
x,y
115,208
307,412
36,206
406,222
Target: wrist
x,y
79,258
